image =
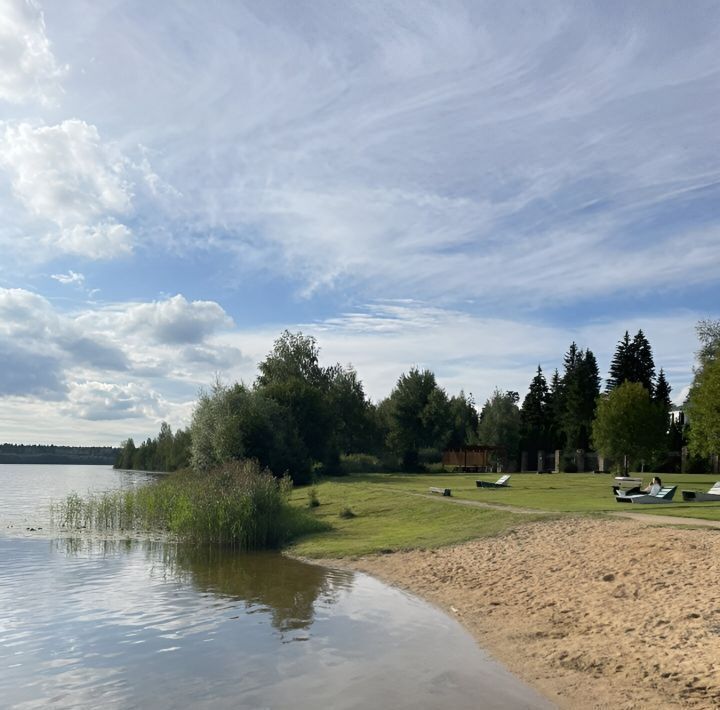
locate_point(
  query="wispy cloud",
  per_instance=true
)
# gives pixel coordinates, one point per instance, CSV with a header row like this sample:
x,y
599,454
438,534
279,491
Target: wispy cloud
x,y
71,277
463,185
28,68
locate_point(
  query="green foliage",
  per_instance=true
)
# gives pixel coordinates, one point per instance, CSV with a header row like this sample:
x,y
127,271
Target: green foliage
x,y
292,376
629,423
500,424
233,423
362,463
313,500
417,416
463,420
167,452
237,504
632,362
534,414
581,386
703,408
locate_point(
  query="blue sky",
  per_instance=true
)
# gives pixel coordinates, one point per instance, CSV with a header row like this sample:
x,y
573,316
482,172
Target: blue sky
x,y
464,186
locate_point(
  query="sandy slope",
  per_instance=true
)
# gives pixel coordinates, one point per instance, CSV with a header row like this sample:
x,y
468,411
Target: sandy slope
x,y
595,613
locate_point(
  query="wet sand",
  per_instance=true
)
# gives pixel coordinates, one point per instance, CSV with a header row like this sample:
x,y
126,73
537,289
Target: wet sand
x,y
594,613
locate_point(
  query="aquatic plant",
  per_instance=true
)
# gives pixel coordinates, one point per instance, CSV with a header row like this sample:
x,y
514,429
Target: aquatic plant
x,y
238,504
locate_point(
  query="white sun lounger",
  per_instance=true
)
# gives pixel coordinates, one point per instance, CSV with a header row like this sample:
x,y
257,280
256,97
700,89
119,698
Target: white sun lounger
x,y
501,482
695,497
664,495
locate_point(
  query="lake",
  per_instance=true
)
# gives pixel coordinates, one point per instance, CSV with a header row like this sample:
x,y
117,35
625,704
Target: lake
x,y
87,621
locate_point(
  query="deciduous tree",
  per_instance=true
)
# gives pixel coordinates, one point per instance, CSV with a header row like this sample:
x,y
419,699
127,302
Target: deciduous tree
x,y
629,424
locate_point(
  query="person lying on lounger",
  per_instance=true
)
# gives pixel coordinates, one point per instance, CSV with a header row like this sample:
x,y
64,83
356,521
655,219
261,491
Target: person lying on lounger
x,y
653,488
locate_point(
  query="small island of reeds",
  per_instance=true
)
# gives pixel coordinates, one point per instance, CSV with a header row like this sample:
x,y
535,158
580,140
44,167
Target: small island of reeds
x,y
238,504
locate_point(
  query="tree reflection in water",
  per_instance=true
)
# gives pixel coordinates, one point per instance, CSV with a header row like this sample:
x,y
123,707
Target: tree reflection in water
x,y
267,582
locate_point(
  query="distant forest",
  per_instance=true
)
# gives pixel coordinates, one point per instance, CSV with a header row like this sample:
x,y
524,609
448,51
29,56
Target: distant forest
x,y
41,453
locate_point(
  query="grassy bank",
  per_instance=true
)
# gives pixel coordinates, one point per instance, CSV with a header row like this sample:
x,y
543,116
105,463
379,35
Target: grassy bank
x,y
387,512
379,513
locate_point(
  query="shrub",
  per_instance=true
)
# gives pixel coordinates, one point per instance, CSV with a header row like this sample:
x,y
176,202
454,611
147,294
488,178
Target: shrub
x,y
361,463
346,513
313,501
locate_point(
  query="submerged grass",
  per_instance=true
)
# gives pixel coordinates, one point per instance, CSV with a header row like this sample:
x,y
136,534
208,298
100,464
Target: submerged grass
x,y
238,504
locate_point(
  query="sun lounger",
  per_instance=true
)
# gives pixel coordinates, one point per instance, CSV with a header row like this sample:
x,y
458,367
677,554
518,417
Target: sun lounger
x,y
501,482
696,497
664,495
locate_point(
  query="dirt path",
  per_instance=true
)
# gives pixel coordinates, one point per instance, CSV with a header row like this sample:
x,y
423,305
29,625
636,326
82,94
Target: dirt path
x,y
642,517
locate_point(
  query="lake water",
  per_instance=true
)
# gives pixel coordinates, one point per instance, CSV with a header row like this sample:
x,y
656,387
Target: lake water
x,y
87,622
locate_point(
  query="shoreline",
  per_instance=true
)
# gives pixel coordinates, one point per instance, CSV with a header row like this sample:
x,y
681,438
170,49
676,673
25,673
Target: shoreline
x,y
592,612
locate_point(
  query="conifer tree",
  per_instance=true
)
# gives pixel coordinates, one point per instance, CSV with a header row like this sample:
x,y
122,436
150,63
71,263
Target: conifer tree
x,y
643,363
534,413
621,367
632,362
662,395
581,385
555,436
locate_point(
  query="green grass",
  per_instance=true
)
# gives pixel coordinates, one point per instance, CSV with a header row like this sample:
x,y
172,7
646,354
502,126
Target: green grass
x,y
387,518
391,516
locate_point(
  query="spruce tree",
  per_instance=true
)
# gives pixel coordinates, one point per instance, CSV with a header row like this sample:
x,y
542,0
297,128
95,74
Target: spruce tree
x,y
621,367
581,388
662,394
643,363
632,362
534,413
555,436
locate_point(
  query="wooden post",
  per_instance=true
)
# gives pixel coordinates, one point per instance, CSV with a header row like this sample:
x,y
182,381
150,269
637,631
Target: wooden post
x,y
557,460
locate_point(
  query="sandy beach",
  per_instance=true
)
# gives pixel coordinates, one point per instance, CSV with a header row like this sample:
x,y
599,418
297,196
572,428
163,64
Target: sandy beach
x,y
594,613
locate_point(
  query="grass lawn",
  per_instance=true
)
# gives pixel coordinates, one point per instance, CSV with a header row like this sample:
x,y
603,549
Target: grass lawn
x,y
389,517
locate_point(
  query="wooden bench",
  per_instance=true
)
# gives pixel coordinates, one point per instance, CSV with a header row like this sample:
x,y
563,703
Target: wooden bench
x,y
441,491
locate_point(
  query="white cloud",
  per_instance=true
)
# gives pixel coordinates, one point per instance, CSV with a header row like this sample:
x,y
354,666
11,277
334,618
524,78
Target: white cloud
x,y
174,321
70,278
66,175
469,352
28,68
106,401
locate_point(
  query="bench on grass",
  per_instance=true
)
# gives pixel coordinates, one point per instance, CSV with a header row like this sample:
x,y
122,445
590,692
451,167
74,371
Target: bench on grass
x,y
441,491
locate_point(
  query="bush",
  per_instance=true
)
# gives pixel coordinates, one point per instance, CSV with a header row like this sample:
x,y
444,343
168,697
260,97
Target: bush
x,y
361,463
346,513
313,501
238,504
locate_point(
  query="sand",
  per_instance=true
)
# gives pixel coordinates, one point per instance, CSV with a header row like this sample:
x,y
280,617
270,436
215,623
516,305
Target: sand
x,y
594,613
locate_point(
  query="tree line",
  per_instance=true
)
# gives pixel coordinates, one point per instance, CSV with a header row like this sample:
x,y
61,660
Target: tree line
x,y
52,454
300,417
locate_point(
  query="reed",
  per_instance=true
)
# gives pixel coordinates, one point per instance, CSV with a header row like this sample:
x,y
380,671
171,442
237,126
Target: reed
x,y
237,504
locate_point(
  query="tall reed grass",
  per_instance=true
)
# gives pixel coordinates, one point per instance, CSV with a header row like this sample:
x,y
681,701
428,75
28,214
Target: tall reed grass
x,y
237,504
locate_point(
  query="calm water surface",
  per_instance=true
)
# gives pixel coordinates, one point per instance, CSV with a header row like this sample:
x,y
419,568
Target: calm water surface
x,y
88,622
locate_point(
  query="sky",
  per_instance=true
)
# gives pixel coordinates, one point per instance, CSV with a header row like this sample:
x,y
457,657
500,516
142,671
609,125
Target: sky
x,y
464,186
